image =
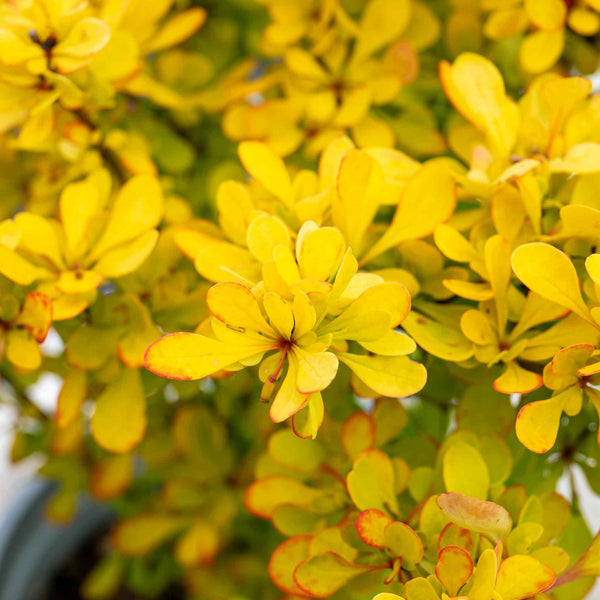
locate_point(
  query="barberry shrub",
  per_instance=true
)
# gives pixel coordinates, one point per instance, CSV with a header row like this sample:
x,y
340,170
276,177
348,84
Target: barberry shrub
x,y
320,283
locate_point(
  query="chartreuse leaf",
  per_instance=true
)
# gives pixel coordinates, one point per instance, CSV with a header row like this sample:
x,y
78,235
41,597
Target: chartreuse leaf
x,y
119,421
476,515
481,586
371,526
437,338
322,575
371,482
454,568
420,589
112,476
139,535
284,560
548,272
523,576
465,471
403,542
268,493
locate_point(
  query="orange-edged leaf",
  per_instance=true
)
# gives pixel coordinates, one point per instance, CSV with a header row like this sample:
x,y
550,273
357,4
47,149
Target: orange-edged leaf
x,y
538,422
370,526
454,568
358,434
517,380
476,515
284,560
453,535
36,315
192,356
198,545
371,482
523,576
322,575
403,542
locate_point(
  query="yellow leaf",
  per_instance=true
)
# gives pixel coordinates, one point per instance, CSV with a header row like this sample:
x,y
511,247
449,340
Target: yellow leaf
x,y
39,237
476,89
78,282
523,576
465,471
137,209
36,315
358,434
308,420
265,495
112,476
427,201
320,253
198,546
87,37
360,185
263,234
22,350
454,568
119,421
126,258
517,380
178,29
71,397
191,356
370,526
315,370
289,400
470,290
540,50
476,515
581,158
382,22
538,422
548,15
267,168
438,339
548,272
392,376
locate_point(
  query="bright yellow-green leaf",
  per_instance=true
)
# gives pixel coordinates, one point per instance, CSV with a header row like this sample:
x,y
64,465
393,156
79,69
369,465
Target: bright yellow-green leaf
x,y
403,542
465,471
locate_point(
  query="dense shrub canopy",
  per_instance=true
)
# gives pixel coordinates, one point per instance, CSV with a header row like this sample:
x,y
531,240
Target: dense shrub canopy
x,y
320,282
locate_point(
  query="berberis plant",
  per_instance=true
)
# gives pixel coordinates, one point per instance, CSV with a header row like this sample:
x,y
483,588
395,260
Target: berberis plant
x,y
332,264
